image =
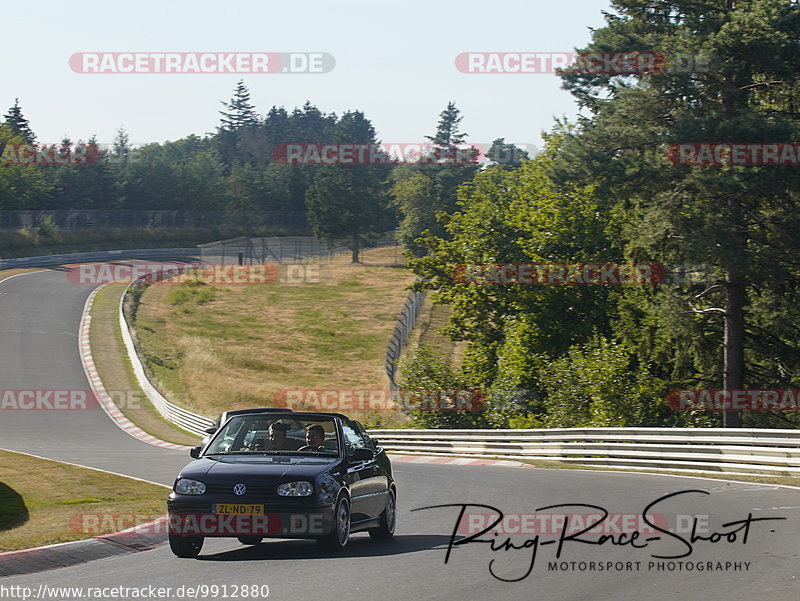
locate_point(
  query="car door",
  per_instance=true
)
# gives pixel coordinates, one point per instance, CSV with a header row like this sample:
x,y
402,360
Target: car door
x,y
370,484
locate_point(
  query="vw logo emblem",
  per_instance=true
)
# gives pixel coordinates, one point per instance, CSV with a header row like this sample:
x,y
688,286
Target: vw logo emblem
x,y
239,489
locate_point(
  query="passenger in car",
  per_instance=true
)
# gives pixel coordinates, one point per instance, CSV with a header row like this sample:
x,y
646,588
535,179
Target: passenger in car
x,y
315,438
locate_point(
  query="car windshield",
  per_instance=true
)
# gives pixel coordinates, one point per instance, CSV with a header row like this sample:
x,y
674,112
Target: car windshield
x,y
276,434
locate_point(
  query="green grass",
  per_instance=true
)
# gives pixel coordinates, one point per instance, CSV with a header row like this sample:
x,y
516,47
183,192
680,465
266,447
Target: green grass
x,y
224,347
41,501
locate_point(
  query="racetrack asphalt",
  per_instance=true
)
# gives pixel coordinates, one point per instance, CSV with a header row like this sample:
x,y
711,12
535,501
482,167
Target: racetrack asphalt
x,y
39,317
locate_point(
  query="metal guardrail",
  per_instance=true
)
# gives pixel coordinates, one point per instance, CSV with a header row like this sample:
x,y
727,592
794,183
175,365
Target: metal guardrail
x,y
742,451
739,451
192,422
188,420
104,255
402,330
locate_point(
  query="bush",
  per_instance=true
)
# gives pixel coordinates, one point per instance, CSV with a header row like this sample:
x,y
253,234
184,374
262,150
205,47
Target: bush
x,y
595,385
429,371
526,422
48,228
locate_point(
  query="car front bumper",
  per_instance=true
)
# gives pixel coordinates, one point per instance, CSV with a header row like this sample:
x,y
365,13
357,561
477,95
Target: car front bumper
x,y
191,517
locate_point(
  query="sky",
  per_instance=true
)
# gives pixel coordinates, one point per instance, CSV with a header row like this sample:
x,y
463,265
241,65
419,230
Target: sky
x,y
395,62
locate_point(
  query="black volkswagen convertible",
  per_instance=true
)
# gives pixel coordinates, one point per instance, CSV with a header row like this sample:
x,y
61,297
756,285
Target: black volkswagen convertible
x,y
283,475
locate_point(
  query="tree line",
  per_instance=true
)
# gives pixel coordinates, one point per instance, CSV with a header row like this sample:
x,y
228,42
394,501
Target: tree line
x,y
239,168
607,189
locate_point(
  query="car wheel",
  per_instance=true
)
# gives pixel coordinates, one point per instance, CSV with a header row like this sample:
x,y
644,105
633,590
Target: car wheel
x,y
340,536
250,540
186,546
388,518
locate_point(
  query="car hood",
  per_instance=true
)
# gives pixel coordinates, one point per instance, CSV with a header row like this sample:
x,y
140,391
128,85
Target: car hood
x,y
222,469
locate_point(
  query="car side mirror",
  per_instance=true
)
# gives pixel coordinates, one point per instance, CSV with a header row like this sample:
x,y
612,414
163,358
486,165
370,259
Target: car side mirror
x,y
362,455
375,442
195,452
211,430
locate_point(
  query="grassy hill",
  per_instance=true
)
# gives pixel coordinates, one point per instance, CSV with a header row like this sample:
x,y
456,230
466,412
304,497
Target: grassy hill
x,y
212,348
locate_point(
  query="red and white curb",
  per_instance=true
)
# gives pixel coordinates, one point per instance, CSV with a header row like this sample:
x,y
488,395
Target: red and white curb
x,y
51,557
103,399
428,460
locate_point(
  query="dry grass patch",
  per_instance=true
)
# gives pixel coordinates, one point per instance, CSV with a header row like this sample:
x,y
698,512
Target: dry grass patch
x,y
41,501
237,346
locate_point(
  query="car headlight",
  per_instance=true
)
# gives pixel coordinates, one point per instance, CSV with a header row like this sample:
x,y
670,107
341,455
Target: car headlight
x,y
295,489
184,486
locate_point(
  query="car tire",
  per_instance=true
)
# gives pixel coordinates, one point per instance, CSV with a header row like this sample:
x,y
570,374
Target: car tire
x,y
187,547
388,518
251,540
340,535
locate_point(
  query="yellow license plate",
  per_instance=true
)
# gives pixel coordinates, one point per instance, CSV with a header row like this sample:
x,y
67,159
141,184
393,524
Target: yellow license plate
x,y
244,509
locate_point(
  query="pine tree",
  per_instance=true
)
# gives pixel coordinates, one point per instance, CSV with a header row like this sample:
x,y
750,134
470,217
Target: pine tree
x,y
240,113
736,218
238,121
22,186
447,134
122,147
18,123
347,202
450,164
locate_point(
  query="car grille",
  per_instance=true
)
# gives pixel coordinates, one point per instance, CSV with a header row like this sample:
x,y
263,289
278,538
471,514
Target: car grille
x,y
252,490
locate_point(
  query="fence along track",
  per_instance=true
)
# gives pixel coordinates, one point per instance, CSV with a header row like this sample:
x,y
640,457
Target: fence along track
x,y
402,330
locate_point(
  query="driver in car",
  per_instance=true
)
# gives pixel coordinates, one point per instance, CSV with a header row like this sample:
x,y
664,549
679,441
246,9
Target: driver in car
x,y
278,440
